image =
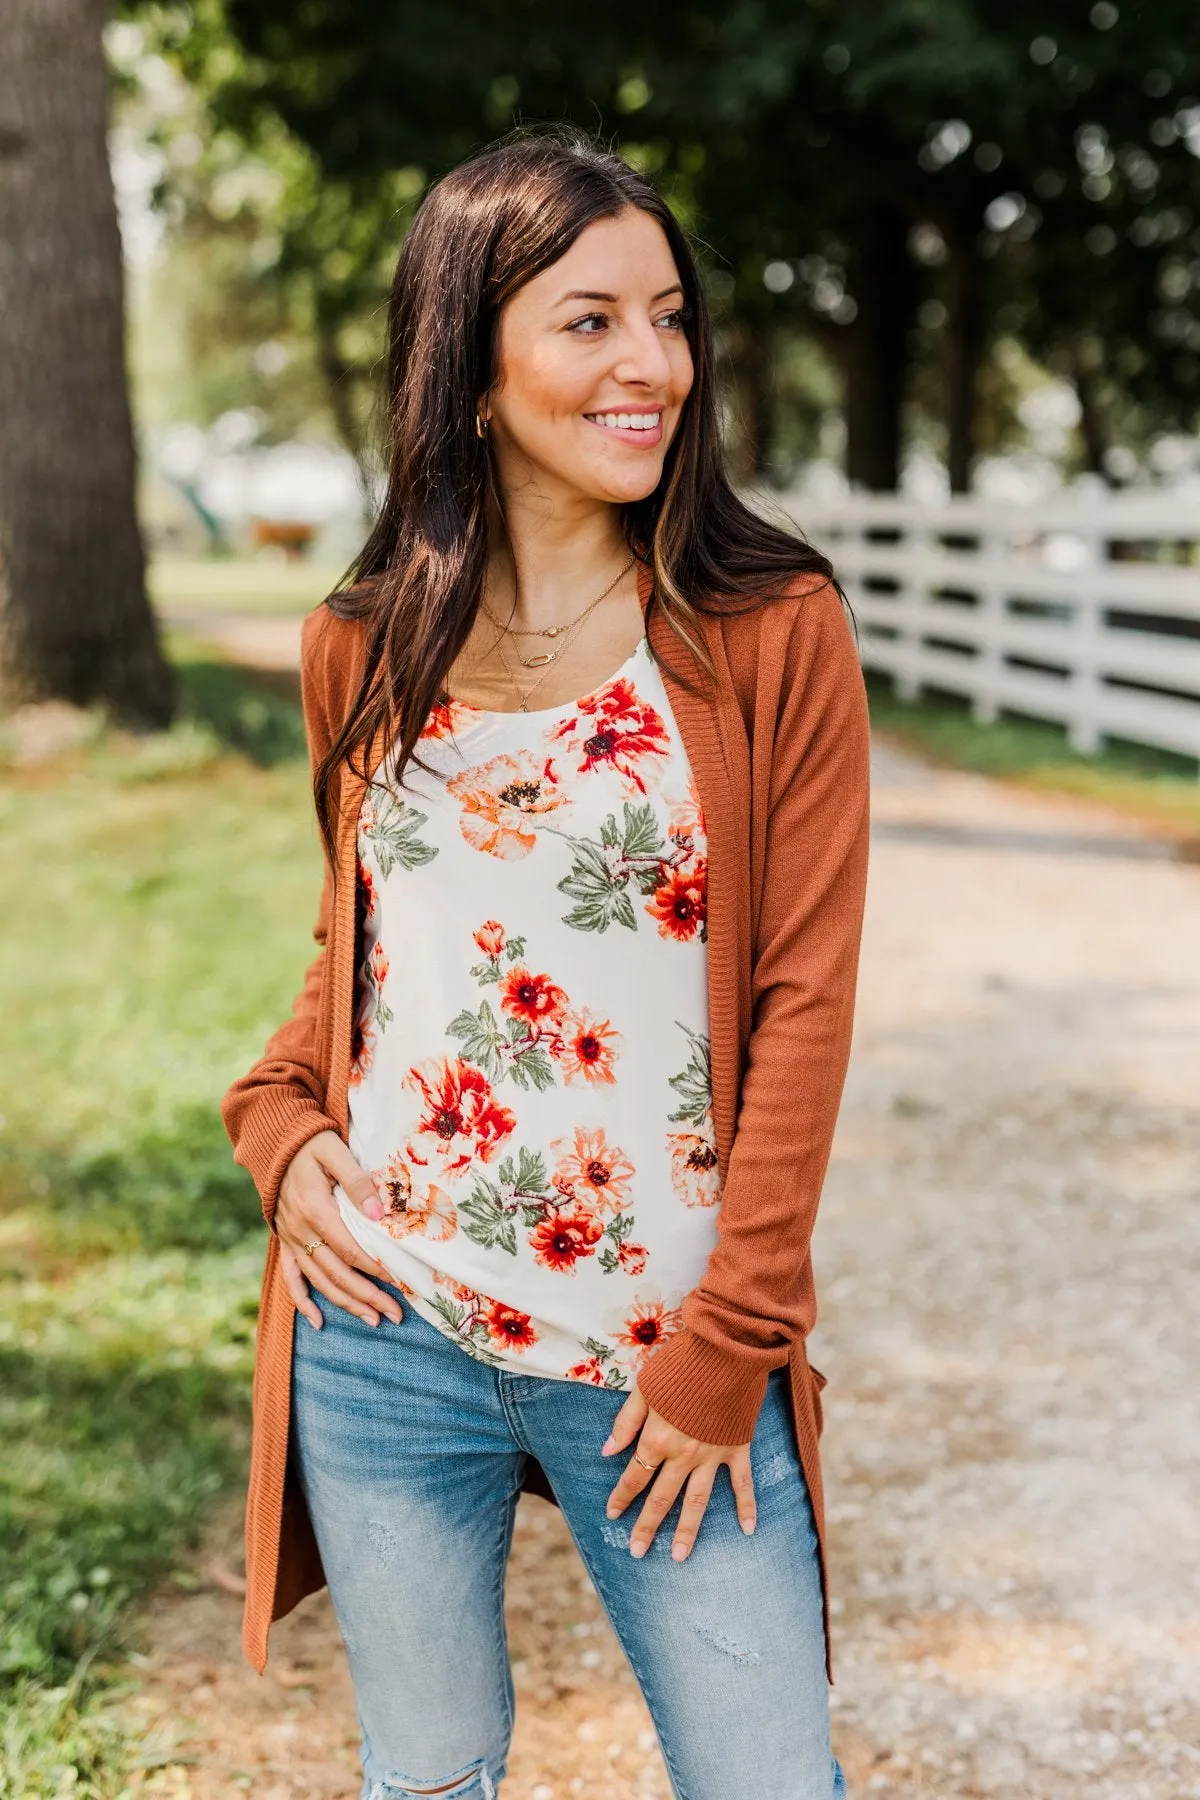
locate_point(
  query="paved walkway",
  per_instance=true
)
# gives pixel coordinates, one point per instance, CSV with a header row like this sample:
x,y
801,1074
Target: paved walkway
x,y
1009,1259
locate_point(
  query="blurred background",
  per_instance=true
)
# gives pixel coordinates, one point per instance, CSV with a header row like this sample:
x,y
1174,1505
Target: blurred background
x,y
953,253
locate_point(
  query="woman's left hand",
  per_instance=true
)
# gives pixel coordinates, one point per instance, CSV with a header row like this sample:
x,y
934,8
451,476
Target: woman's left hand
x,y
682,1459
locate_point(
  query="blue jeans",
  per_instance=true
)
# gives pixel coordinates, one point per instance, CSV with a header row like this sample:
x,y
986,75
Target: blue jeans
x,y
411,1456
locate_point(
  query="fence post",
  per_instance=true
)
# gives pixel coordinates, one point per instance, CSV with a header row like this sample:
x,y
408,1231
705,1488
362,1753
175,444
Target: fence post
x,y
990,597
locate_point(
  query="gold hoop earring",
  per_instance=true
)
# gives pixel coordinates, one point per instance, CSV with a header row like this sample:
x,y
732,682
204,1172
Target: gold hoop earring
x,y
481,425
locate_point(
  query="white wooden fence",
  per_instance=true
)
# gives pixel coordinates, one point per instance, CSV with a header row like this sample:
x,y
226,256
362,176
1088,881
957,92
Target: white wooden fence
x,y
1085,612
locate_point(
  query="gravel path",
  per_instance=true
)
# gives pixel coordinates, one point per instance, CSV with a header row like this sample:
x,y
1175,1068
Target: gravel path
x,y
1008,1257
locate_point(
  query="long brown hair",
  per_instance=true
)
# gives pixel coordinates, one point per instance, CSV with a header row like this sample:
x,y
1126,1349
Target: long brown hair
x,y
482,232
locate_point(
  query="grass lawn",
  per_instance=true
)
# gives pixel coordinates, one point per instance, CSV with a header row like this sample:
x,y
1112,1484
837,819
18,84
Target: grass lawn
x,y
157,896
1158,789
262,585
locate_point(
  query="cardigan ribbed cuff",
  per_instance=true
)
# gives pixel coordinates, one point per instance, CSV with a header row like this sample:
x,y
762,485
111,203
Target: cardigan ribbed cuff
x,y
703,1390
282,1121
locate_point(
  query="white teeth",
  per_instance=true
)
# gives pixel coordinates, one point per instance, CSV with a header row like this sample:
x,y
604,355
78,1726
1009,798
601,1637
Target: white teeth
x,y
627,421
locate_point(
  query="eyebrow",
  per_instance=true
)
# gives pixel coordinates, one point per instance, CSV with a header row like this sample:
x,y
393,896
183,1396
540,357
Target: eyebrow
x,y
676,287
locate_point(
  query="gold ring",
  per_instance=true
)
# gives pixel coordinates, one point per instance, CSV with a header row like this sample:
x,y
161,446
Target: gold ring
x,y
645,1465
311,1249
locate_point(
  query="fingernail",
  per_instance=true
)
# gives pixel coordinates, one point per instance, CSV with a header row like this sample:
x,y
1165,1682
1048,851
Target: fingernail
x,y
610,1512
607,1448
637,1550
747,1526
678,1553
373,1208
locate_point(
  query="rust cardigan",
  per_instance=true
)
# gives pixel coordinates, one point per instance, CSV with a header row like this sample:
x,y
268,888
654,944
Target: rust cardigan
x,y
779,751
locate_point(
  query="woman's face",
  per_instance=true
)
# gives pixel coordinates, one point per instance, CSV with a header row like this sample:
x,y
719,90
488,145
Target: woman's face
x,y
594,367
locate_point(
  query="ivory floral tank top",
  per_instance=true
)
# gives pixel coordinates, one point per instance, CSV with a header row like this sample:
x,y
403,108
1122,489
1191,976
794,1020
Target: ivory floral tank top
x,y
530,1081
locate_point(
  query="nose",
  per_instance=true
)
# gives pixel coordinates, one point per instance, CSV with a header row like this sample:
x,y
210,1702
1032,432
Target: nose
x,y
643,361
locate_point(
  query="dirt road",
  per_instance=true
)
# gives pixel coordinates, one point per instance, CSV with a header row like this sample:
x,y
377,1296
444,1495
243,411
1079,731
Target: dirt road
x,y
1009,1258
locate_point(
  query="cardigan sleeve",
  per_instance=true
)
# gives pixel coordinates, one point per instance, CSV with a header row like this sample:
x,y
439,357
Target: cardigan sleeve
x,y
738,1323
272,1110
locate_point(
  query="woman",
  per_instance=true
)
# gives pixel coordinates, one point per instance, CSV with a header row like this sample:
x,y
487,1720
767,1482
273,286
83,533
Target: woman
x,y
542,1144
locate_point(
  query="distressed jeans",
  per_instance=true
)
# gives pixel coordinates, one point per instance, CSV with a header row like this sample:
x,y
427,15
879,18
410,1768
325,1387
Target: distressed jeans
x,y
411,1455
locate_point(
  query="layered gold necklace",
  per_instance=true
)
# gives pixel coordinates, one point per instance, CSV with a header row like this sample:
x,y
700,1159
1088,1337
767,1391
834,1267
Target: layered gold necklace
x,y
545,659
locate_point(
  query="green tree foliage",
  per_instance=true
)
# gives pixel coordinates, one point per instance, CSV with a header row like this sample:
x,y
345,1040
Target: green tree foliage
x,y
885,183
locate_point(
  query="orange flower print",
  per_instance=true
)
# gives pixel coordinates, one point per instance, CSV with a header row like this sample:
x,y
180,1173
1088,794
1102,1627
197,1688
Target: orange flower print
x,y
680,903
685,823
379,964
614,728
497,800
646,1324
632,1258
467,1295
491,937
694,1173
431,1213
445,718
561,1238
362,1050
460,1120
593,1170
534,998
513,1329
587,1048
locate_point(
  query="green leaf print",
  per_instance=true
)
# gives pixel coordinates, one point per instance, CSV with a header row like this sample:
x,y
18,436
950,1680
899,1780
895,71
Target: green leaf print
x,y
616,1231
499,1050
614,1375
529,1175
694,1083
393,835
485,1218
488,1214
483,1039
602,871
530,1065
472,1336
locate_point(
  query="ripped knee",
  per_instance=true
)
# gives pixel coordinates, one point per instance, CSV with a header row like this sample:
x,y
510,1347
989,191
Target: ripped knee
x,y
468,1782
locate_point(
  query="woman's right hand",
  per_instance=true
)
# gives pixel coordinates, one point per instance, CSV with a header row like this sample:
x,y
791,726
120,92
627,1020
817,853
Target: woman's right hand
x,y
306,1210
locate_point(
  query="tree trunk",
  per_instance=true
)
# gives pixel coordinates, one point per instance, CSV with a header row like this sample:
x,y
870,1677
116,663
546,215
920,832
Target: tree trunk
x,y
1093,423
964,353
875,353
75,623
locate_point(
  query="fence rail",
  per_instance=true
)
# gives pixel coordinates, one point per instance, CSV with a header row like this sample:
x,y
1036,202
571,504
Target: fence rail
x,y
1084,613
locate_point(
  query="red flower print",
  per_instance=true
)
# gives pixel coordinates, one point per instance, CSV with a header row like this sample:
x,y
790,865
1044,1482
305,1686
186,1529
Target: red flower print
x,y
587,1047
498,798
617,730
362,1050
648,1323
591,1371
365,889
445,718
379,964
593,1170
680,902
491,937
461,1120
694,1173
562,1238
534,998
508,1326
632,1258
431,1212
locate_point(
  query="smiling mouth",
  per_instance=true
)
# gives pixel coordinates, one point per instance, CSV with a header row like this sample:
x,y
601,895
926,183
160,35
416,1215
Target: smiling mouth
x,y
626,421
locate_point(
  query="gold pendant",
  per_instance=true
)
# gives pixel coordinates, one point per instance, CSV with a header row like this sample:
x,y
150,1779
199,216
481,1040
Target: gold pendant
x,y
538,662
